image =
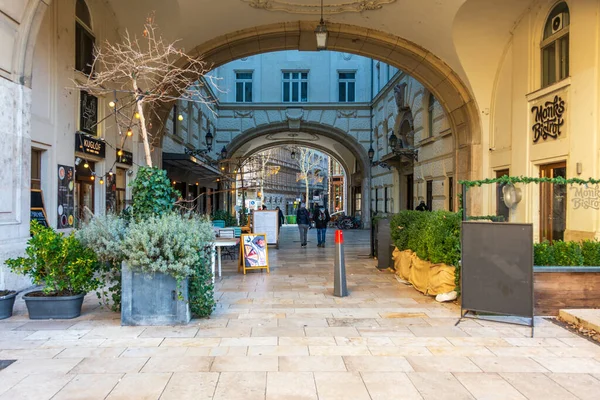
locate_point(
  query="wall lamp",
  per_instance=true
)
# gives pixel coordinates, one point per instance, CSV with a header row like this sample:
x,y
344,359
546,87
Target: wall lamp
x,y
208,138
397,148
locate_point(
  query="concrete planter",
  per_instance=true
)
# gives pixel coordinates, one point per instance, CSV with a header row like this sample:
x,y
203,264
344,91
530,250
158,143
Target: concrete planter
x,y
6,305
152,299
53,307
565,287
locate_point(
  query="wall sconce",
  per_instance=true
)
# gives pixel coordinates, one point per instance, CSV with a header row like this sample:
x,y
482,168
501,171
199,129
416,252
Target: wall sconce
x,y
579,168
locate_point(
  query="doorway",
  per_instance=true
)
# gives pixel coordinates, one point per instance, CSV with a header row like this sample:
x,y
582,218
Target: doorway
x,y
84,186
553,203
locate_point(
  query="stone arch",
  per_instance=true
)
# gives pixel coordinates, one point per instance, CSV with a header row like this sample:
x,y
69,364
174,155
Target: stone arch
x,y
252,141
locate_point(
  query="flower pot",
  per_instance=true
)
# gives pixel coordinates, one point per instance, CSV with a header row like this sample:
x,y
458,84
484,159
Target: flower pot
x,y
53,307
6,304
153,299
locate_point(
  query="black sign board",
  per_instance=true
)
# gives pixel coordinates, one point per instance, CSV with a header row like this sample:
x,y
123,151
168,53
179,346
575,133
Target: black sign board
x,y
126,157
88,113
88,145
497,268
38,211
66,197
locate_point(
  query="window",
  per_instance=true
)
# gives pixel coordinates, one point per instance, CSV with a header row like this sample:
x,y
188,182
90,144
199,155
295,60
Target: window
x,y
385,200
84,38
295,87
347,87
430,115
430,195
36,169
450,193
555,46
243,87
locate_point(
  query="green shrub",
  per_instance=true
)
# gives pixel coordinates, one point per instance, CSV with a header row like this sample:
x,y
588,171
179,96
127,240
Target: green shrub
x,y
152,193
61,263
567,253
103,235
543,254
590,250
223,215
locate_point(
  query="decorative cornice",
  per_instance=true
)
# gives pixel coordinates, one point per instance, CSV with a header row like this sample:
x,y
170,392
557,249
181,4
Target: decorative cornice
x,y
296,6
243,114
347,114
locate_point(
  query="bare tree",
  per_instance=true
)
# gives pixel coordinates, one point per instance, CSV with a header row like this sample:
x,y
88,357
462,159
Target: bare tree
x,y
151,71
308,161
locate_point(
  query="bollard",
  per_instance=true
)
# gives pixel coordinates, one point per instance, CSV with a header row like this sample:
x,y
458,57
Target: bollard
x,y
339,280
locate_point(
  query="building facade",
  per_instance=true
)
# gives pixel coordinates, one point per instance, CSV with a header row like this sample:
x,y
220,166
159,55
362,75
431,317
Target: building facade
x,y
473,91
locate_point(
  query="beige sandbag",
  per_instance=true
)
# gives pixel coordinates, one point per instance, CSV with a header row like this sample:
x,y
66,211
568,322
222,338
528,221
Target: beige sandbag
x,y
440,279
402,263
419,273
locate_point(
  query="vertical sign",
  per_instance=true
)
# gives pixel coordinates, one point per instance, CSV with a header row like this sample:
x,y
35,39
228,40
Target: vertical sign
x,y
111,193
66,197
88,113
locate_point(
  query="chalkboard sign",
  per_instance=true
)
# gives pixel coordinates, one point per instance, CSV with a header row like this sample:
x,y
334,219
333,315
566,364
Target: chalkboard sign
x,y
39,215
38,212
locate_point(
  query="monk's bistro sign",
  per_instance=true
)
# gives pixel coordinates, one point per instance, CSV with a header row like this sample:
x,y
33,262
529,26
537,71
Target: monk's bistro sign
x,y
548,119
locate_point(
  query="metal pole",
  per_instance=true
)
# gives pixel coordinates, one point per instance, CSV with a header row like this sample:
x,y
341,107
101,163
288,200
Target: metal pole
x,y
339,280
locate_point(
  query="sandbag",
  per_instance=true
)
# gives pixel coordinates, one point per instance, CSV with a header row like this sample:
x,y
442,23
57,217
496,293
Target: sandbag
x,y
402,263
440,279
419,273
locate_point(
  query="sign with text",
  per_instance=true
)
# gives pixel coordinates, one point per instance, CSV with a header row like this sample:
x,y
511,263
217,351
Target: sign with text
x,y
88,145
66,197
88,113
124,157
267,222
548,118
38,211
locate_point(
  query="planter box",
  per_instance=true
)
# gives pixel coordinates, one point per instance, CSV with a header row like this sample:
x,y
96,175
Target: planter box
x,y
6,305
54,307
152,299
565,287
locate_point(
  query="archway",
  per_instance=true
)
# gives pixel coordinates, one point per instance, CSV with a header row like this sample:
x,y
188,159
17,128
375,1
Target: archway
x,y
332,141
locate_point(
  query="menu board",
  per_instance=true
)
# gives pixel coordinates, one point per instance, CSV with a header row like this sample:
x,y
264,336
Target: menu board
x,y
267,221
38,211
66,198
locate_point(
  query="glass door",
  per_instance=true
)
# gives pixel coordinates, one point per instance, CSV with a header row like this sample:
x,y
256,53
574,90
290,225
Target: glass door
x,y
553,203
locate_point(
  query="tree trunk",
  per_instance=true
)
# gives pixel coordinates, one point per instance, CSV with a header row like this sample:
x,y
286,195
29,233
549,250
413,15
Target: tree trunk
x,y
140,110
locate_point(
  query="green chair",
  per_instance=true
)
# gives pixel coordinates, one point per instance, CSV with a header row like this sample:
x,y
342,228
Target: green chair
x,y
237,231
218,223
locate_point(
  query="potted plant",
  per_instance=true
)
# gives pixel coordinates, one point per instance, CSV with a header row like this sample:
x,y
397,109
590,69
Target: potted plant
x,y
63,266
166,270
7,300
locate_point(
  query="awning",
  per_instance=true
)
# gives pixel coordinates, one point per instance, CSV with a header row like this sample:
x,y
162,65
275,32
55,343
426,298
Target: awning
x,y
187,168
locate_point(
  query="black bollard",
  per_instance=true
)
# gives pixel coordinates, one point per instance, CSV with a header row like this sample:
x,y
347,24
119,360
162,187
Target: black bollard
x,y
339,281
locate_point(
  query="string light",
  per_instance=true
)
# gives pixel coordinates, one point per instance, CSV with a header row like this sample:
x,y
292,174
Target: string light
x,y
120,153
112,104
180,117
110,173
101,181
86,165
92,177
129,132
137,115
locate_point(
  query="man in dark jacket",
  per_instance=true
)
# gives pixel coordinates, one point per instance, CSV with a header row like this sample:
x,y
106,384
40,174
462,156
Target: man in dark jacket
x,y
280,217
321,219
303,221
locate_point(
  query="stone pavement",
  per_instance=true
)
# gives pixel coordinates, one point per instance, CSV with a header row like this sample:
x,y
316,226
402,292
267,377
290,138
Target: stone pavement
x,y
284,336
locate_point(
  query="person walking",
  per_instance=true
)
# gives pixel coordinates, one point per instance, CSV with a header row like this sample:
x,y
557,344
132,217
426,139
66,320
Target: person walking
x,y
280,217
303,221
321,219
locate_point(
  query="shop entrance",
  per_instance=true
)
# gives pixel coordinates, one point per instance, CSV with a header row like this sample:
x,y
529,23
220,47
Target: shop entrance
x,y
553,203
84,186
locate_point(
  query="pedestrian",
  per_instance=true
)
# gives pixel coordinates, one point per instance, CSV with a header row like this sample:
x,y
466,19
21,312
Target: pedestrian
x,y
303,221
321,219
422,206
280,217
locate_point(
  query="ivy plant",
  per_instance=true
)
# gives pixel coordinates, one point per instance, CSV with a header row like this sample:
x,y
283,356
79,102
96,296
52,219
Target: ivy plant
x,y
153,193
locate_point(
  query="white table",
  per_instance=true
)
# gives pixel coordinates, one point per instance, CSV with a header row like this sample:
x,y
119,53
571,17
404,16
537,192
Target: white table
x,y
221,242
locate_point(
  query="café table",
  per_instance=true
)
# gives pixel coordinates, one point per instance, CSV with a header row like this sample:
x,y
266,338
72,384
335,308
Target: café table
x,y
218,244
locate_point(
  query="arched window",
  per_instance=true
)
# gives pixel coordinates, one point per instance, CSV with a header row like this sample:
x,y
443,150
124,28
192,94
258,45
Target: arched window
x,y
430,115
555,45
84,38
